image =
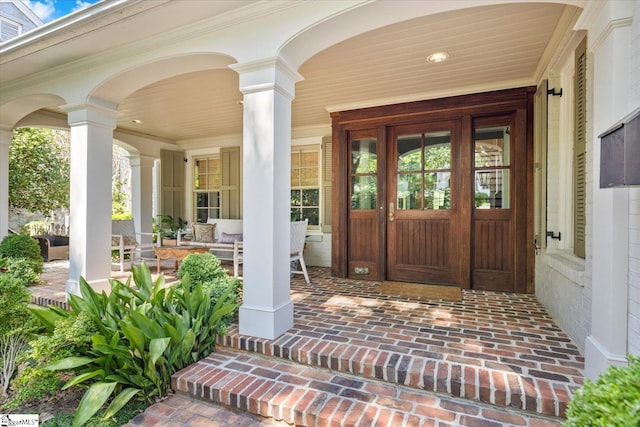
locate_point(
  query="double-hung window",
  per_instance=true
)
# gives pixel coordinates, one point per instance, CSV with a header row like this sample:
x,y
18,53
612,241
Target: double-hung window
x,y
305,185
207,187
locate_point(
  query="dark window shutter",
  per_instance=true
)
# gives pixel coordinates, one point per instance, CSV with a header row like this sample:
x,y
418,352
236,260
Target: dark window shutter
x,y
172,183
580,151
326,184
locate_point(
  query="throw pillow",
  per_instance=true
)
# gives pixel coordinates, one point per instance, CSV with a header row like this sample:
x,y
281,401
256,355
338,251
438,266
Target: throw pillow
x,y
204,233
229,238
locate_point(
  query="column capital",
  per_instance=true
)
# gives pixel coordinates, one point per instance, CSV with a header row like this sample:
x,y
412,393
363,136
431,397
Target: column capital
x,y
267,74
140,159
91,113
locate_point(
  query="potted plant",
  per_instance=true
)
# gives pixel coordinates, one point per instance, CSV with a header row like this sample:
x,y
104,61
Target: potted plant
x,y
169,229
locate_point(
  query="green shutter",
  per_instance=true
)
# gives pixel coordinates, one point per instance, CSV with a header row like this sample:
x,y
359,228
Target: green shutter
x,y
230,182
172,183
540,170
580,150
326,184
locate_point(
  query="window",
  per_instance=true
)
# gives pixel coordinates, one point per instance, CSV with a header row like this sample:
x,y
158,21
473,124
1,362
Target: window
x,y
305,185
492,167
9,29
207,188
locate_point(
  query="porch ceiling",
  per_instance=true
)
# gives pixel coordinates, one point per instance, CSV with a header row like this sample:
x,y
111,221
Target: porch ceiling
x,y
490,48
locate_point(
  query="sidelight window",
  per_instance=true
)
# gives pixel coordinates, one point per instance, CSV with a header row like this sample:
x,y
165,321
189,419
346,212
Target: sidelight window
x,y
492,167
364,174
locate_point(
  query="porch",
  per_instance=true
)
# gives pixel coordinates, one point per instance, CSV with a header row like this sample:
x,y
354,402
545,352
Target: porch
x,y
353,353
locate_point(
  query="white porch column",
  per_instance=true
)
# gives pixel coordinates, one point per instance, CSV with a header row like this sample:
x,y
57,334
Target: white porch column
x,y
142,195
5,141
609,41
268,88
90,202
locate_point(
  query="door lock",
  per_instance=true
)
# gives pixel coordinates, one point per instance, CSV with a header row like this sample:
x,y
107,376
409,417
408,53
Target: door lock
x,y
391,211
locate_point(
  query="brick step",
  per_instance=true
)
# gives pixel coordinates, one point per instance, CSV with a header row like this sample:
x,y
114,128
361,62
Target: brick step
x,y
313,396
535,391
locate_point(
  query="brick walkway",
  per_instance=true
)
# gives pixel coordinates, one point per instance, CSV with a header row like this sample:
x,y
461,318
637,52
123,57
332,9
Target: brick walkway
x,y
354,354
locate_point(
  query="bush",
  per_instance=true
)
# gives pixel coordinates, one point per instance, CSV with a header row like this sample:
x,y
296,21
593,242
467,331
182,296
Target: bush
x,y
15,326
144,335
14,303
201,268
613,400
20,246
25,270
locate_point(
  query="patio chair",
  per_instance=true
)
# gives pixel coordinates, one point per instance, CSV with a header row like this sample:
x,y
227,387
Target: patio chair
x,y
298,234
126,241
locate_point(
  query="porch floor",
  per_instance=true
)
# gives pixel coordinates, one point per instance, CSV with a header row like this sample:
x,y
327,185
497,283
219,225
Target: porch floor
x,y
355,354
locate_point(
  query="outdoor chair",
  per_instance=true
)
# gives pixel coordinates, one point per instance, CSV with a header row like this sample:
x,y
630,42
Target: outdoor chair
x,y
298,234
126,241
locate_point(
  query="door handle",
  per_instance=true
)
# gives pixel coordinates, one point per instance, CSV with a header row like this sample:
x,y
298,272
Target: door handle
x,y
392,211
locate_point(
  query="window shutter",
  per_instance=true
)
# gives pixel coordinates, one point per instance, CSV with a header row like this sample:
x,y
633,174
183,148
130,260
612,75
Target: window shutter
x,y
580,150
540,170
326,184
172,183
230,182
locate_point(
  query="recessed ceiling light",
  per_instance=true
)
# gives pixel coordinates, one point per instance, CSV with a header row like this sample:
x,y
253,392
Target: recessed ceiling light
x,y
437,57
136,121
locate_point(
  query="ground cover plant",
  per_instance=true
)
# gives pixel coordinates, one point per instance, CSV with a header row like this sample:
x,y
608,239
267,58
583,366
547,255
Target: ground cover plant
x,y
144,332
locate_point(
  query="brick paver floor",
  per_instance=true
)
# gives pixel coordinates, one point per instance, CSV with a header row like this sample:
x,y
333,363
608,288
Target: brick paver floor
x,y
496,348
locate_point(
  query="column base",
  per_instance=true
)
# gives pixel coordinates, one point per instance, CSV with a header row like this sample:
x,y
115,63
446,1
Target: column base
x,y
266,322
72,287
598,359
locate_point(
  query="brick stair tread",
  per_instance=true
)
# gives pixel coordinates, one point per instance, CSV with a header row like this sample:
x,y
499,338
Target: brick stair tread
x,y
544,393
313,396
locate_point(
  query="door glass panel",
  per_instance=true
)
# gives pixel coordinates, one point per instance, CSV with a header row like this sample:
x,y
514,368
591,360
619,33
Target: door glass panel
x,y
408,192
492,171
424,171
437,190
409,152
492,147
364,176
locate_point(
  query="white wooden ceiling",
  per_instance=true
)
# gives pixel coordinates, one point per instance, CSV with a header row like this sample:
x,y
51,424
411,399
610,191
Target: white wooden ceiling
x,y
490,48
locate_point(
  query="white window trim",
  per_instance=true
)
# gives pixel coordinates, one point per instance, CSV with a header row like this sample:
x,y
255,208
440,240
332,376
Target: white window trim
x,y
317,149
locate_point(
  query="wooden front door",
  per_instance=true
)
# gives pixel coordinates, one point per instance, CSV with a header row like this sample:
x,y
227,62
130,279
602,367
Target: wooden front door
x,y
424,202
436,192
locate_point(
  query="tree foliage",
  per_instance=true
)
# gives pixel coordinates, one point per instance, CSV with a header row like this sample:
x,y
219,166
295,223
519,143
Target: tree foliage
x,y
39,170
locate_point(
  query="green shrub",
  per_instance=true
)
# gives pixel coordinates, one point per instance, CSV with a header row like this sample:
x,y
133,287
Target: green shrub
x,y
14,303
24,269
33,383
35,227
144,335
201,268
613,400
17,322
20,246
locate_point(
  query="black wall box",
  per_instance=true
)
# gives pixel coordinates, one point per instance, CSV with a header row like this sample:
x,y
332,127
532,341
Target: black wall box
x,y
620,153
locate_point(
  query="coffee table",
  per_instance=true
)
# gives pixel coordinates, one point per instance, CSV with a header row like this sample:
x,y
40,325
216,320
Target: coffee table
x,y
177,253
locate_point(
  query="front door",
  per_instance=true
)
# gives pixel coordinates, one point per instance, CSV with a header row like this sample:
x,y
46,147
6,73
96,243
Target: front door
x,y
436,192
424,201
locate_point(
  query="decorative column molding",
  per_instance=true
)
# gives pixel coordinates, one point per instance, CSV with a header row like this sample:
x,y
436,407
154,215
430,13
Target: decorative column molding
x,y
268,87
142,195
6,135
609,41
90,208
